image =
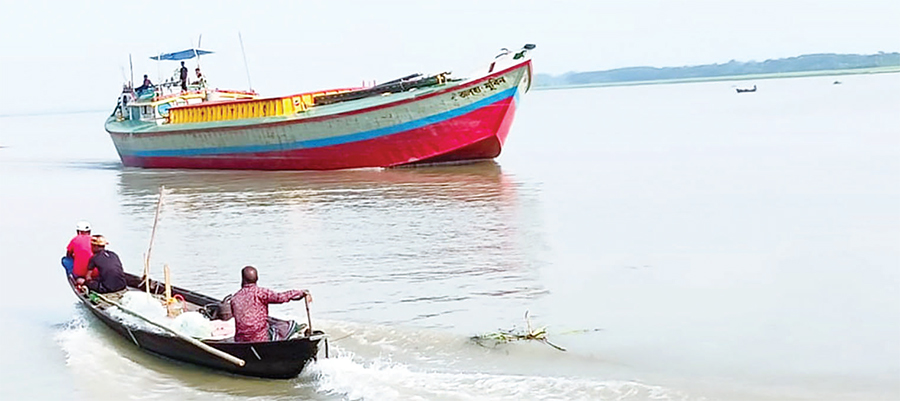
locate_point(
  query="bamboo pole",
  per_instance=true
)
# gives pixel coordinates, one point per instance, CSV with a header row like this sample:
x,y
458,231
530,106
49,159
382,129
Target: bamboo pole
x,y
221,354
146,278
152,235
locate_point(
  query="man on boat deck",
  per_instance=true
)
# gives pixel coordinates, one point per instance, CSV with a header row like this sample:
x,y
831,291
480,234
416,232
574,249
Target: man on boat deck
x,y
201,80
250,307
184,76
146,85
111,275
79,249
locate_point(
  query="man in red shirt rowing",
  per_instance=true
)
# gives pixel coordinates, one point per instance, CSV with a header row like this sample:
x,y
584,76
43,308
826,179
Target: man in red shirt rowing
x,y
250,307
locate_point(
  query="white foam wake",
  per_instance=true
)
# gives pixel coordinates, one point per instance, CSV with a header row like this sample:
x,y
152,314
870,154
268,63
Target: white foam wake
x,y
106,367
345,376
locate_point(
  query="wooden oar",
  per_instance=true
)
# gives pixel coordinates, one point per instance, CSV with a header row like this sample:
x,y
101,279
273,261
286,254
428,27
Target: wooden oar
x,y
221,354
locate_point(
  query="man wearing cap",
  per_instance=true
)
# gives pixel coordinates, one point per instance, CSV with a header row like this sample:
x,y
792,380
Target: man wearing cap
x,y
250,307
79,249
111,275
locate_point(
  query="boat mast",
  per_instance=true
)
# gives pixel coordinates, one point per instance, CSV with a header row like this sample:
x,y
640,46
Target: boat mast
x,y
131,67
245,61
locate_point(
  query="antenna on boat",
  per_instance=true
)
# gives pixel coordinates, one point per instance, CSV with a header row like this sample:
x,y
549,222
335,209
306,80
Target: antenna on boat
x,y
131,67
245,61
196,54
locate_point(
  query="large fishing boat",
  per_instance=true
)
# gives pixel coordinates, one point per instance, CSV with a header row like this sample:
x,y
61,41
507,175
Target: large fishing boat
x,y
417,119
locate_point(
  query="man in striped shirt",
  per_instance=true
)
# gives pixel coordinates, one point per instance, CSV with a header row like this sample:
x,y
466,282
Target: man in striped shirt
x,y
250,307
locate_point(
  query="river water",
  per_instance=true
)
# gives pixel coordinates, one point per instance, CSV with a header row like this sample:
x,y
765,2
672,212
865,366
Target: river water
x,y
681,241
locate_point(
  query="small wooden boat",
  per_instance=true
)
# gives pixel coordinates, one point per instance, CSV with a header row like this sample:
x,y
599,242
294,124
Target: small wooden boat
x,y
274,359
746,90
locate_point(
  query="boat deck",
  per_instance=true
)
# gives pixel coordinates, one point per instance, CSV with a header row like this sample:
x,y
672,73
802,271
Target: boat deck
x,y
136,126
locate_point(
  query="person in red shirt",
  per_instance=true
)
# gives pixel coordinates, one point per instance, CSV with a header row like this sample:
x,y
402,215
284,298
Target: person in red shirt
x,y
79,249
250,307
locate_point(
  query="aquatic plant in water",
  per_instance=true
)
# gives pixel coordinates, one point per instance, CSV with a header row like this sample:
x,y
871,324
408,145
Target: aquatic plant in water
x,y
507,336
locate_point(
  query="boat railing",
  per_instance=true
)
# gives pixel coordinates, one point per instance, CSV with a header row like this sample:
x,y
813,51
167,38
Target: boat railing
x,y
239,109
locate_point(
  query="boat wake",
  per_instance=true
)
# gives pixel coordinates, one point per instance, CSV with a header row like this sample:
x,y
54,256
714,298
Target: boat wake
x,y
345,376
374,362
366,362
88,353
116,368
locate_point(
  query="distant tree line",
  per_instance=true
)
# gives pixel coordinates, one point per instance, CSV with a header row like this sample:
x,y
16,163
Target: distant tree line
x,y
804,63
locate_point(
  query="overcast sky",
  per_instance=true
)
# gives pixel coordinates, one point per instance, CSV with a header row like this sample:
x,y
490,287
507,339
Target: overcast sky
x,y
71,56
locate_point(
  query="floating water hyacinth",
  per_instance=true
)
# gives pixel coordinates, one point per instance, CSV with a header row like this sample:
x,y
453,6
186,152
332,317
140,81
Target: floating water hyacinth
x,y
507,336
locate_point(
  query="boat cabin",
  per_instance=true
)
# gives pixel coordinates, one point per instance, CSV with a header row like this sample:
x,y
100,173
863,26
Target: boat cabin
x,y
158,108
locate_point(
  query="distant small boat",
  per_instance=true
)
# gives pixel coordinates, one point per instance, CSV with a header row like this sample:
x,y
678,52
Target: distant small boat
x,y
744,90
837,82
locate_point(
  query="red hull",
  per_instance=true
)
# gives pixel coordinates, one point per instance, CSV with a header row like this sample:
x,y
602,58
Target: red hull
x,y
479,134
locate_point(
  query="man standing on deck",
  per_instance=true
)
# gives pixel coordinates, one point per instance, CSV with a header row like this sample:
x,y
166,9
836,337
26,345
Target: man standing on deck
x,y
79,249
184,76
250,307
111,275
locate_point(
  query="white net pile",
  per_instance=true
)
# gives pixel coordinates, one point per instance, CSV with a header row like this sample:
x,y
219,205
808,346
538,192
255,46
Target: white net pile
x,y
188,323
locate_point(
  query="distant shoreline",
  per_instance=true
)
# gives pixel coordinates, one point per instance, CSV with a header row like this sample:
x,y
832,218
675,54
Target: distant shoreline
x,y
748,77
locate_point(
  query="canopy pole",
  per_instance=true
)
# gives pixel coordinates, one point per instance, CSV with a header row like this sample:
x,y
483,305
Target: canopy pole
x,y
196,54
158,72
245,61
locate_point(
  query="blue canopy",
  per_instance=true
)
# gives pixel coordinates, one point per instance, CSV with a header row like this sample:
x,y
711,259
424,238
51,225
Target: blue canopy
x,y
182,55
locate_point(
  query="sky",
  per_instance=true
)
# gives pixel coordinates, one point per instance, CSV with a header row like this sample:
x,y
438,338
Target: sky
x,y
70,56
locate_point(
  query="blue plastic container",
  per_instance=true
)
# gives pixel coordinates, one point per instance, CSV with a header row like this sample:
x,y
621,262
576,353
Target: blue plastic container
x,y
68,263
